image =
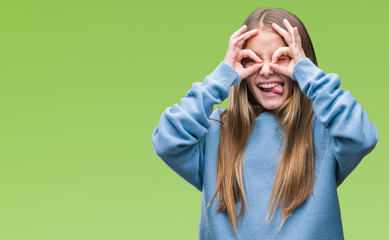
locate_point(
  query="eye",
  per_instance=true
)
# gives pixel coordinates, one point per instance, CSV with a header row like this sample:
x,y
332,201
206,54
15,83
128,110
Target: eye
x,y
246,61
284,58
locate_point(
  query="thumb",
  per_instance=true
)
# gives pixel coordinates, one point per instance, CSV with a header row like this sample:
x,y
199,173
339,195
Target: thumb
x,y
279,69
251,70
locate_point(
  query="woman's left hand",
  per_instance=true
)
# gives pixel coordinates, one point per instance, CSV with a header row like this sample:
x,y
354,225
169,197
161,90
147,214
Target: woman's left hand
x,y
293,50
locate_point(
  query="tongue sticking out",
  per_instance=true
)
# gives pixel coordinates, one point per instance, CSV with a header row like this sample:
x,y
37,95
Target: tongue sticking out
x,y
279,89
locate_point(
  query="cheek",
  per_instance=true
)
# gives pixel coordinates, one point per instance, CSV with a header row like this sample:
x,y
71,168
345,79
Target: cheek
x,y
250,79
288,87
250,84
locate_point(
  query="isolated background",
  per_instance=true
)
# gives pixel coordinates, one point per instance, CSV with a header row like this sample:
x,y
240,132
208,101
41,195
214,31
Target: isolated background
x,y
82,86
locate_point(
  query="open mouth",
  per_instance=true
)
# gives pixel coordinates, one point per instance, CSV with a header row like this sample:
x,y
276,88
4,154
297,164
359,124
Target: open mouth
x,y
271,88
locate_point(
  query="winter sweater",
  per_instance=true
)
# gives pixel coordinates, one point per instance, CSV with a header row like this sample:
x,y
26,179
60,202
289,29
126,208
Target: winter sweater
x,y
187,141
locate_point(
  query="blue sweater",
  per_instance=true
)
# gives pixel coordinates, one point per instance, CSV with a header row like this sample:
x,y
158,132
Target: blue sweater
x,y
187,141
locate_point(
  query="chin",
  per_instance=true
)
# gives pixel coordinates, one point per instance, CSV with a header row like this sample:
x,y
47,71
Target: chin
x,y
272,105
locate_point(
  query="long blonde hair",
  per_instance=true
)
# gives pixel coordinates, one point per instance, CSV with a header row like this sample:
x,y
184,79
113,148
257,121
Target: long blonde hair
x,y
295,174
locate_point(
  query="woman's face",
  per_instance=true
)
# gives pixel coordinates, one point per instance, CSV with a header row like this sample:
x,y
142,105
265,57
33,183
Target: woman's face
x,y
269,88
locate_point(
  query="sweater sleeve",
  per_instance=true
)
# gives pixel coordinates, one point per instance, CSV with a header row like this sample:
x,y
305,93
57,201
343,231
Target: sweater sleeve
x,y
178,138
352,135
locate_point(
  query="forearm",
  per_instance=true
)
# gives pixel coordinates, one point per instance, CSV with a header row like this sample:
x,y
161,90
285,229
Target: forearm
x,y
352,134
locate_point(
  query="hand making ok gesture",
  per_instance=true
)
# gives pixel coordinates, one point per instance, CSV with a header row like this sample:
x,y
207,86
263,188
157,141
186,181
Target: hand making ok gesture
x,y
235,53
293,50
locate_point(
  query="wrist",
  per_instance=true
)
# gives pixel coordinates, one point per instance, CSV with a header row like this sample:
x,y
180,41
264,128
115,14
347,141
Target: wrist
x,y
299,57
229,62
303,69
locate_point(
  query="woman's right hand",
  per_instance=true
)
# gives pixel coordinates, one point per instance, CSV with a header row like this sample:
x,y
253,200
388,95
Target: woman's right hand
x,y
235,54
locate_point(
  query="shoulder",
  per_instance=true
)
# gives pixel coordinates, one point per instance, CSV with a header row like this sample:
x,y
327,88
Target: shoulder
x,y
215,115
215,121
212,137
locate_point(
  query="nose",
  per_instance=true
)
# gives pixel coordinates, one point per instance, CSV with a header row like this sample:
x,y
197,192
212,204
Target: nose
x,y
266,69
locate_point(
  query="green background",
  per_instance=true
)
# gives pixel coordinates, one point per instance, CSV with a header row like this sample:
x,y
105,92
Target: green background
x,y
83,84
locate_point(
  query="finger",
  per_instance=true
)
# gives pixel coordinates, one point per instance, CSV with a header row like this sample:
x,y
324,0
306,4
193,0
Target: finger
x,y
234,43
250,53
293,37
239,32
240,43
290,29
288,26
297,36
251,33
279,52
251,70
282,32
279,69
240,40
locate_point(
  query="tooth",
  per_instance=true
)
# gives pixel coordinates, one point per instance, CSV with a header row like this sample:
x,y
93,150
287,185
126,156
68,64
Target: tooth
x,y
270,85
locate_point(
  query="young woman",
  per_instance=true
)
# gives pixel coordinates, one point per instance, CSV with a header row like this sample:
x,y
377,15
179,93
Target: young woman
x,y
269,165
